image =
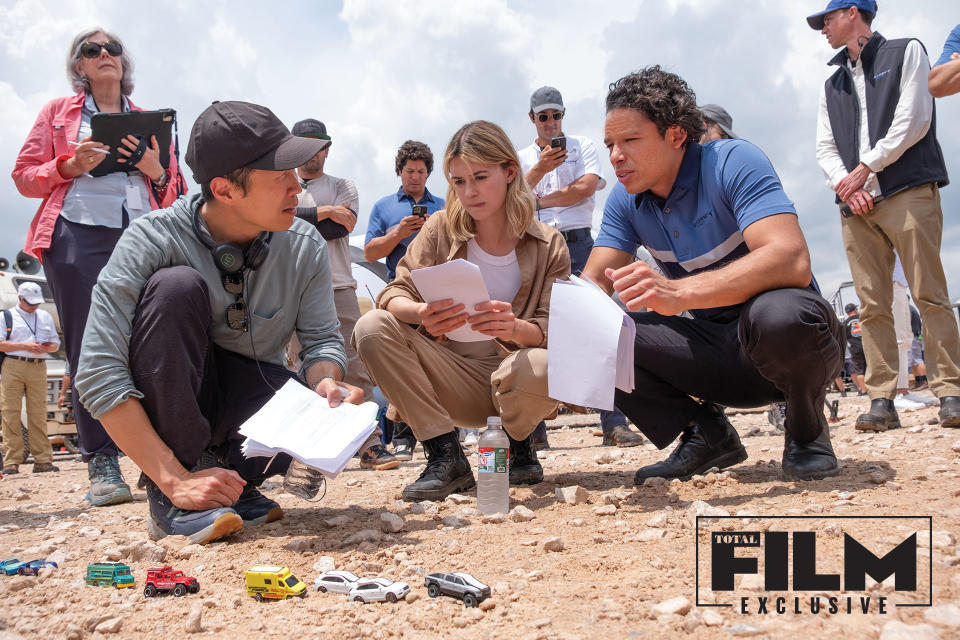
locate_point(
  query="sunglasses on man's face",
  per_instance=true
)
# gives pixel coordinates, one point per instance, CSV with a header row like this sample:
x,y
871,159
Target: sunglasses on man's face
x,y
236,314
543,117
92,49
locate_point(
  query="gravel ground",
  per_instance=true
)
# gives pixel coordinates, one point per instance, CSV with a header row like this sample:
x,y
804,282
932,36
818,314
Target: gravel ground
x,y
619,563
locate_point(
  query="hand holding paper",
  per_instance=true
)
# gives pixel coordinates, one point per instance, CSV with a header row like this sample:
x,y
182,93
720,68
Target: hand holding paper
x,y
457,282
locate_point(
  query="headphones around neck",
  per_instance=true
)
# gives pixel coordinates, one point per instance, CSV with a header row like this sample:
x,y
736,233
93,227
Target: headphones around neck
x,y
230,258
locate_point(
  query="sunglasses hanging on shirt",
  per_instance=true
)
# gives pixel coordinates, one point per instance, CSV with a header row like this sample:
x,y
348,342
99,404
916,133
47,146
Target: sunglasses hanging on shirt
x,y
92,49
236,314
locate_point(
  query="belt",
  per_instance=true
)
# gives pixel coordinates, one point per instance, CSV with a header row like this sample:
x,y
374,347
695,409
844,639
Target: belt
x,y
575,235
26,359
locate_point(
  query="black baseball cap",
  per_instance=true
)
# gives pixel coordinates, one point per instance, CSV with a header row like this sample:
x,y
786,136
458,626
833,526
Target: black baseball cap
x,y
311,128
231,135
850,308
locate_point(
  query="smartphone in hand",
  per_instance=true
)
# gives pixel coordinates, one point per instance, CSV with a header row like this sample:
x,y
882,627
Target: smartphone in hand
x,y
559,143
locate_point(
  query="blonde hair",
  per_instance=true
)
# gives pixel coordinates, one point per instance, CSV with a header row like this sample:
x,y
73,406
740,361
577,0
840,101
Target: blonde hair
x,y
483,142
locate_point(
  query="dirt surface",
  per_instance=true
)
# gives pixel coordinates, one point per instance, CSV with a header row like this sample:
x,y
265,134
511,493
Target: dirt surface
x,y
625,555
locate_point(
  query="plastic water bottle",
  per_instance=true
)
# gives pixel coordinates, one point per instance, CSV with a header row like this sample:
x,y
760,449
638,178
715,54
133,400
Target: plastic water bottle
x,y
493,470
302,481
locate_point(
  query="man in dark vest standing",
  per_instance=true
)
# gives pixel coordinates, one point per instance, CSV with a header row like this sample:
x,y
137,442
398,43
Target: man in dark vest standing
x,y
877,146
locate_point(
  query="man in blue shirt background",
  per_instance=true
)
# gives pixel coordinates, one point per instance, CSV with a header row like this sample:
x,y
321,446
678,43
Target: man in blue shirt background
x,y
393,225
716,219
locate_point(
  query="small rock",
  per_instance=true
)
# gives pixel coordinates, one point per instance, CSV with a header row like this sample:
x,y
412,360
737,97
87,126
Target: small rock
x,y
336,521
487,605
651,534
896,630
844,495
88,532
945,615
188,551
113,554
412,597
298,546
458,498
325,563
364,535
469,512
540,622
521,513
655,482
553,544
658,520
354,482
674,606
711,618
391,522
878,477
18,583
605,510
606,457
426,507
744,630
701,508
193,624
493,518
454,521
148,551
572,495
111,625
578,522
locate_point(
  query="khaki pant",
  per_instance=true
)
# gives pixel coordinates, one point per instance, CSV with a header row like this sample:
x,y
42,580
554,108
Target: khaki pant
x,y
16,378
912,223
434,385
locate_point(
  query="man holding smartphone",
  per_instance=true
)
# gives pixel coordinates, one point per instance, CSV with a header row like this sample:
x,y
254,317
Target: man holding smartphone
x,y
564,174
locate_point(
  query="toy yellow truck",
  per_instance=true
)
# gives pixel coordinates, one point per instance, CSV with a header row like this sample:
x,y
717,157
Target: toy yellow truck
x,y
269,581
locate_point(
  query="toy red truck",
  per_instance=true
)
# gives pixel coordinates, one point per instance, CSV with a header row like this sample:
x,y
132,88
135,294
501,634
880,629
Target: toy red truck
x,y
167,579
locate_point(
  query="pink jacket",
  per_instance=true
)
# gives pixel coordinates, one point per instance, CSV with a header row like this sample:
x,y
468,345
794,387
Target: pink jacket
x,y
37,175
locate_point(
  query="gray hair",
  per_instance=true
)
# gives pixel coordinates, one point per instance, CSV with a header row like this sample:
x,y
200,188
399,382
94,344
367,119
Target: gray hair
x,y
80,82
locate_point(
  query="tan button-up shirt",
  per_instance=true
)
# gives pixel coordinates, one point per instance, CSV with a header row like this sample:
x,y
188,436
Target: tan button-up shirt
x,y
541,254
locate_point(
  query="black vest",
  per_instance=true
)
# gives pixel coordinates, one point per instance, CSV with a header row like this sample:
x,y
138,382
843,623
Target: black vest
x,y
882,61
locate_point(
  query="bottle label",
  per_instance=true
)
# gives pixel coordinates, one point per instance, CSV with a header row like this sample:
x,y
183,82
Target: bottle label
x,y
493,459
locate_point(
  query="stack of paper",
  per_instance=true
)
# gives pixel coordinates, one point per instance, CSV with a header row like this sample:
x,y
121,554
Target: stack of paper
x,y
299,422
590,350
457,280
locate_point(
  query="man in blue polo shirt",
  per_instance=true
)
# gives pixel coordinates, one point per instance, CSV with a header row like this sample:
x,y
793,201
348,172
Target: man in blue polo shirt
x,y
944,77
393,225
716,219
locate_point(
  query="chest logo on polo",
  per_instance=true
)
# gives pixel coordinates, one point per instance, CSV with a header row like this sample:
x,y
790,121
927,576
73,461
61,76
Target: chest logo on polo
x,y
702,219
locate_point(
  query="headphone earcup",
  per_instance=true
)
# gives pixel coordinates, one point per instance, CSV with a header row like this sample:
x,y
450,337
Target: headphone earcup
x,y
228,258
257,251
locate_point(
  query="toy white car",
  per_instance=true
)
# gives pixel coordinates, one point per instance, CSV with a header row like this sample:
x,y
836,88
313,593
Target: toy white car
x,y
335,581
378,589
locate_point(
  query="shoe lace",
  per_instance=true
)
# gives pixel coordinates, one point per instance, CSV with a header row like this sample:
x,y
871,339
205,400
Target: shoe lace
x,y
107,468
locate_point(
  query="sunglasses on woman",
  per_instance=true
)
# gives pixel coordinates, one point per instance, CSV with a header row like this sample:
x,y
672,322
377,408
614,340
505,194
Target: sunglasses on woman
x,y
543,117
92,49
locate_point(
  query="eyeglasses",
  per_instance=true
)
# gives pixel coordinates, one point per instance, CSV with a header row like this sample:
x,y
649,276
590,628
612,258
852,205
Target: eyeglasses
x,y
236,314
92,49
557,115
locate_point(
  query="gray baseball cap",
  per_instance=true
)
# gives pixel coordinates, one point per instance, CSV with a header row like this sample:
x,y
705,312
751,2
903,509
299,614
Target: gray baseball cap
x,y
718,114
546,98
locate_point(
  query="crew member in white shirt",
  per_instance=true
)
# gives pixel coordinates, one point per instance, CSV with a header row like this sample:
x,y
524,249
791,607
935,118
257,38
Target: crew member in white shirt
x,y
565,176
29,336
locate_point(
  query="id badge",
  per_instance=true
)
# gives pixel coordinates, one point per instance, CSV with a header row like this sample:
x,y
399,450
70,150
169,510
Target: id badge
x,y
134,202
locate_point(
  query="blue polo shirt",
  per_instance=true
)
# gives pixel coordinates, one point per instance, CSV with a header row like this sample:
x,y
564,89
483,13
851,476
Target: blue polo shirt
x,y
952,45
722,188
388,212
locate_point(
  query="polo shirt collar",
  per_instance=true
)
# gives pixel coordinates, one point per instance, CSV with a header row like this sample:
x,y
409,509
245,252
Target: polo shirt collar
x,y
401,194
688,177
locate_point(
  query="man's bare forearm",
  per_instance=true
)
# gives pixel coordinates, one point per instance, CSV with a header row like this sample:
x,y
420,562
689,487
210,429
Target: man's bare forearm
x,y
944,79
381,247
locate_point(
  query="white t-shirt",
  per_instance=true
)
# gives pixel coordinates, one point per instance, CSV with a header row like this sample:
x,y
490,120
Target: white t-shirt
x,y
328,190
29,327
581,159
500,273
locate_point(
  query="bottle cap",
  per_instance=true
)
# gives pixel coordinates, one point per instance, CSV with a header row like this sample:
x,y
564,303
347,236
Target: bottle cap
x,y
494,421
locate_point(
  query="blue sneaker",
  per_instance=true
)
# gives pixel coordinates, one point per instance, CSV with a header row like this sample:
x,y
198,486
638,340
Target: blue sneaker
x,y
106,482
200,526
255,508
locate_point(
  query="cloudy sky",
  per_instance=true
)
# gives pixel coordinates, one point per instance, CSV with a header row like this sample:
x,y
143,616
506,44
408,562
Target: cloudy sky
x,y
379,72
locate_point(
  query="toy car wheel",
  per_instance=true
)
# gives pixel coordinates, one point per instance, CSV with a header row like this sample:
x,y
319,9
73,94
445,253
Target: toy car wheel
x,y
358,599
149,591
194,587
259,597
115,585
433,591
391,597
180,590
469,600
22,571
322,589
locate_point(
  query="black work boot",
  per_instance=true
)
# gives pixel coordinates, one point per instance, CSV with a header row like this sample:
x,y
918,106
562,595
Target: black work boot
x,y
950,411
524,466
880,417
447,470
810,461
710,441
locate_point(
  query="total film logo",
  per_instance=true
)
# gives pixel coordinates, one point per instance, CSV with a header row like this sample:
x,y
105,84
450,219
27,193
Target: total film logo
x,y
804,565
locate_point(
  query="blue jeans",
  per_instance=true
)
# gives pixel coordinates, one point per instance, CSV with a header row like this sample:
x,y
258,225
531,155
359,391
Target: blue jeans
x,y
579,252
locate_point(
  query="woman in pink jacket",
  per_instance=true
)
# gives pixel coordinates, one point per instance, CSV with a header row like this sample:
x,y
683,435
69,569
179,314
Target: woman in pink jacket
x,y
81,216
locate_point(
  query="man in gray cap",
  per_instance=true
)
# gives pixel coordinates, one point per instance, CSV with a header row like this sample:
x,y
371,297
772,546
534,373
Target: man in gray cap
x,y
564,173
719,124
330,204
190,317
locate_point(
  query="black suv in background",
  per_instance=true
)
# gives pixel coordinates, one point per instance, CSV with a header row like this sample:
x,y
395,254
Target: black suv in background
x,y
459,585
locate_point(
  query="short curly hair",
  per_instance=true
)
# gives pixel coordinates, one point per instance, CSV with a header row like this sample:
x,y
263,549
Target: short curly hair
x,y
413,150
664,97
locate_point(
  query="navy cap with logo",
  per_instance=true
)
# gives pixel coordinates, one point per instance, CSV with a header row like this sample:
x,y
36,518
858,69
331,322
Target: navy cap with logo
x,y
231,135
816,20
546,98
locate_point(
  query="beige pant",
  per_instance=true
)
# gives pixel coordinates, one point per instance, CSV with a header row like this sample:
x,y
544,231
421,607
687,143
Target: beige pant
x,y
348,312
901,324
912,223
19,377
433,385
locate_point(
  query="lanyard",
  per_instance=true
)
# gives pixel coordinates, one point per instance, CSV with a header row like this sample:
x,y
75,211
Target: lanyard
x,y
36,319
